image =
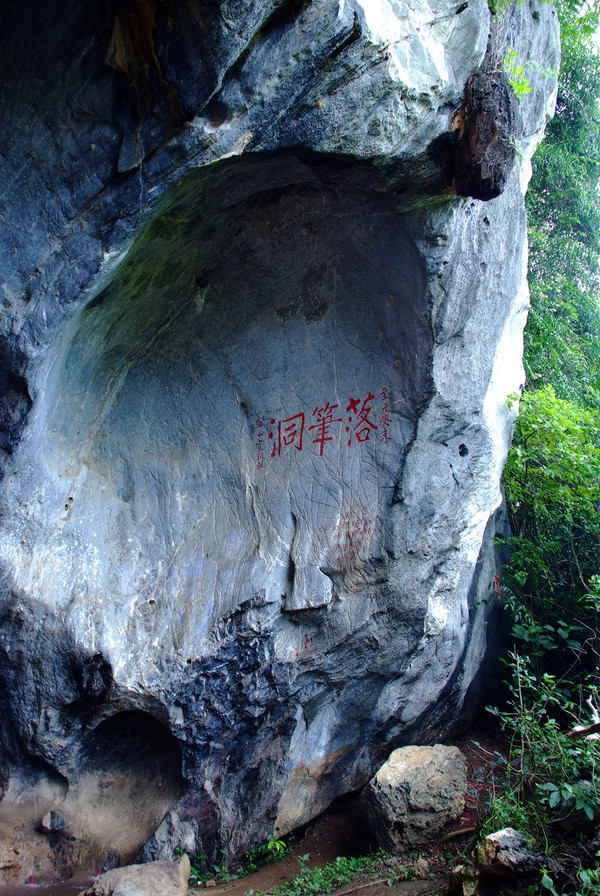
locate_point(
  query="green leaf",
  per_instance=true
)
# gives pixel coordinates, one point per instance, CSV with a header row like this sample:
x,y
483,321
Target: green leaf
x,y
548,884
554,799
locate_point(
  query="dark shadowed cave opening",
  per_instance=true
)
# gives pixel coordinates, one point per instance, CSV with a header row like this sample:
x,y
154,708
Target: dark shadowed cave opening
x,y
128,776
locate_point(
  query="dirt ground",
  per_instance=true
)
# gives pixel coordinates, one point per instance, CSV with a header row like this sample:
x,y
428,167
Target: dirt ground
x,y
342,831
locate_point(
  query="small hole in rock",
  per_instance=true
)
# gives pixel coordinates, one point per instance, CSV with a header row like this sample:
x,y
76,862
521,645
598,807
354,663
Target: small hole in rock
x,y
463,450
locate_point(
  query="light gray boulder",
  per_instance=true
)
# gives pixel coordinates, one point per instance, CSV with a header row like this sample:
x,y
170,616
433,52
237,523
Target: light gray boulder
x,y
415,794
151,879
504,864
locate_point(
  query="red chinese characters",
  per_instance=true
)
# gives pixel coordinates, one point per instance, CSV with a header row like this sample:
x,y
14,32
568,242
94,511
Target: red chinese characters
x,y
327,424
360,426
289,432
325,420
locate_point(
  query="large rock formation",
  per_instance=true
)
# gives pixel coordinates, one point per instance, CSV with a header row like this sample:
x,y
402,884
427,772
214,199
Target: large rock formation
x,y
262,306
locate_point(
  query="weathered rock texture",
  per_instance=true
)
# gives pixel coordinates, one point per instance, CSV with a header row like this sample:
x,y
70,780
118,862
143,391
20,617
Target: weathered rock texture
x,y
164,878
255,354
504,865
415,794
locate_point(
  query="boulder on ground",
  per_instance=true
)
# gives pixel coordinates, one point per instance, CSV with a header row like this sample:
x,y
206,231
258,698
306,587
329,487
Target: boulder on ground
x,y
164,878
415,794
503,864
505,853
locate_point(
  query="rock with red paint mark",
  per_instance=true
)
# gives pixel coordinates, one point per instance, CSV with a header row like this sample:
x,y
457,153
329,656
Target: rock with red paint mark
x,y
166,878
415,794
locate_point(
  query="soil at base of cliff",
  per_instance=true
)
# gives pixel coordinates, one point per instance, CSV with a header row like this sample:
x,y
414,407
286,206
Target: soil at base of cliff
x,y
343,831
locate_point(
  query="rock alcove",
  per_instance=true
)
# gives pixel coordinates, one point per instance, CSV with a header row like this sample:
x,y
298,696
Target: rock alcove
x,y
222,428
267,332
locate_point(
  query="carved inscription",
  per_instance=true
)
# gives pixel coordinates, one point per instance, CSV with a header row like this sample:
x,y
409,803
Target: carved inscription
x,y
385,418
260,454
354,421
352,536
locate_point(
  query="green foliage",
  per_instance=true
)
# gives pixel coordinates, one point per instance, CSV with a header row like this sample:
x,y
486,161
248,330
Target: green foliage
x,y
266,853
552,477
552,777
202,870
336,874
562,345
498,7
514,72
588,883
552,485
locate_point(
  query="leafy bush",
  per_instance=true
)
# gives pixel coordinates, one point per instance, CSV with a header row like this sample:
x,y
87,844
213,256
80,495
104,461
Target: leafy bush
x,y
266,853
552,486
554,778
551,585
333,875
562,346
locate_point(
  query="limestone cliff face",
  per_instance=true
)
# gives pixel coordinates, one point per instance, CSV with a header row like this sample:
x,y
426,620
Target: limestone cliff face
x,y
262,304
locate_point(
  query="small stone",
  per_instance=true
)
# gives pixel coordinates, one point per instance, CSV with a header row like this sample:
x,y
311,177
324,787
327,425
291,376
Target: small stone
x,y
421,868
210,883
53,822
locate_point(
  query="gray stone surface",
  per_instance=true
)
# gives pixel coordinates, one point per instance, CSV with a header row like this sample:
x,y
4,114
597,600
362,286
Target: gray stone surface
x,y
415,794
503,864
254,357
164,878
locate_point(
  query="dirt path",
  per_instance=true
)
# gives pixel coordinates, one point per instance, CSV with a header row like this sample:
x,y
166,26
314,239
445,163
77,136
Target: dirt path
x,y
343,831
